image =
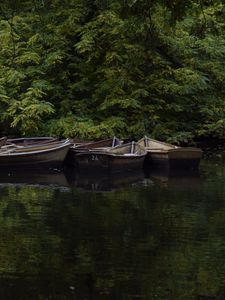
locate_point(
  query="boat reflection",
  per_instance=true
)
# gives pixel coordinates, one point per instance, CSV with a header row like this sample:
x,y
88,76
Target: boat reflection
x,y
105,181
176,179
71,178
48,178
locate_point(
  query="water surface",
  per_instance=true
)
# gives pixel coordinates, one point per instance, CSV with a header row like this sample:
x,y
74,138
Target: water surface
x,y
137,236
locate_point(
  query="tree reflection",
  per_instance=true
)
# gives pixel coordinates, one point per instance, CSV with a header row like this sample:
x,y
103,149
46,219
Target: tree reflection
x,y
132,243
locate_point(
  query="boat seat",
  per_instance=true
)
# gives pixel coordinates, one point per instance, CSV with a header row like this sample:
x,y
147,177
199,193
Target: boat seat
x,y
100,149
157,150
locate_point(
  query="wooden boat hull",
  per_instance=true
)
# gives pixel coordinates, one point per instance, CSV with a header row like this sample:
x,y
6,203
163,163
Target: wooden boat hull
x,y
108,162
46,158
180,158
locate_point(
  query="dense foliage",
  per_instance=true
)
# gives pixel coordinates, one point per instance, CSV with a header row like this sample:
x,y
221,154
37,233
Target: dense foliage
x,y
126,67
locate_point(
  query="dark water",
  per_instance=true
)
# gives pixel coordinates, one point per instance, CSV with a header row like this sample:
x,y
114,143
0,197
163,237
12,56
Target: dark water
x,y
142,236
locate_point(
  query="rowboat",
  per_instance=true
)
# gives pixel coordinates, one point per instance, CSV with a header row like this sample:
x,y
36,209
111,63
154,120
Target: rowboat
x,y
119,158
164,155
86,146
38,156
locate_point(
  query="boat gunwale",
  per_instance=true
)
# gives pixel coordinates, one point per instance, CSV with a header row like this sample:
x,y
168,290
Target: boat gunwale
x,y
173,147
108,153
41,151
158,142
84,145
180,149
41,138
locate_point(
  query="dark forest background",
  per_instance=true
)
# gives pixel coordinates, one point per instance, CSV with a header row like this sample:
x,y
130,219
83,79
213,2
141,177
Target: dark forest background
x,y
93,69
